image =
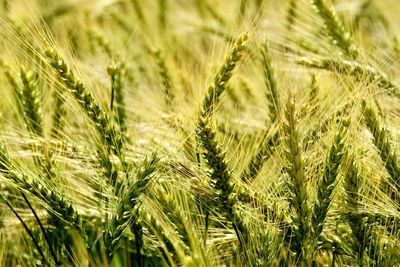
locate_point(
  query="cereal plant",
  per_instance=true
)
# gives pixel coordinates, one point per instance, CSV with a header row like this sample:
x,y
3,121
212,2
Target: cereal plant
x,y
199,133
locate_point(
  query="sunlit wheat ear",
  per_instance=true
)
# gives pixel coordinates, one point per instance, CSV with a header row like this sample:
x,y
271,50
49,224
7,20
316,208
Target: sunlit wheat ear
x,y
329,180
110,135
297,183
115,71
265,149
169,90
381,142
26,93
31,102
220,176
335,29
58,205
270,83
359,71
176,215
222,77
127,206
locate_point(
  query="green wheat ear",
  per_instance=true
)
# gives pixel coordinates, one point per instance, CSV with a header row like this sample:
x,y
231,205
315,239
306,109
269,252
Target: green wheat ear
x,y
297,184
31,101
272,90
58,205
116,71
328,182
313,96
222,77
353,181
336,31
381,142
128,204
109,134
266,149
220,176
291,15
26,93
359,71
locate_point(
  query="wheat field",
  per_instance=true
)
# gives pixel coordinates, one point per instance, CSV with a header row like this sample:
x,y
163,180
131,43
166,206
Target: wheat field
x,y
199,133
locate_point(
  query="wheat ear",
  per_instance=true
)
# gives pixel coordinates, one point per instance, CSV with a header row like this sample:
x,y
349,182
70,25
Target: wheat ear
x,y
222,77
115,71
335,29
220,176
128,206
328,182
381,142
59,206
297,183
110,135
272,89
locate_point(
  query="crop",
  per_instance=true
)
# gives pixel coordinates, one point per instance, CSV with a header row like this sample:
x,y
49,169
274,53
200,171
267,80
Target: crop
x,y
199,133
